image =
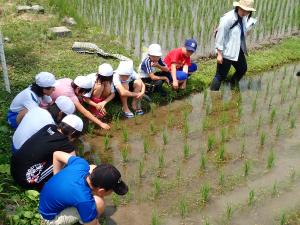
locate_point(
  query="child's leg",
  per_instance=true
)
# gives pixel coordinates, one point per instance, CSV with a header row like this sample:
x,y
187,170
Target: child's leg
x,y
137,87
124,99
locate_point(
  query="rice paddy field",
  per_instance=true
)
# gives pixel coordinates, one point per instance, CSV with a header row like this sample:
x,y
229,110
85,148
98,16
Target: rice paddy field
x,y
139,23
228,157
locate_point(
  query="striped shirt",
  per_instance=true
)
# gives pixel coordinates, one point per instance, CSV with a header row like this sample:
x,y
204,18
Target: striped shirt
x,y
145,67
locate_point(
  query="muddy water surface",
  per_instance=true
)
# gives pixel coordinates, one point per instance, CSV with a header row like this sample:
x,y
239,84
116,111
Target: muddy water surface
x,y
244,145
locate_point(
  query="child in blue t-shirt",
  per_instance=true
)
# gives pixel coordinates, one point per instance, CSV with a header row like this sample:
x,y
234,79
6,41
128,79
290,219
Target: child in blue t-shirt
x,y
153,61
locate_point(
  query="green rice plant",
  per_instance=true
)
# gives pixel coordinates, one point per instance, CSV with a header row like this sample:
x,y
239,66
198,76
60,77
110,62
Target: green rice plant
x,y
152,128
153,107
262,138
203,161
240,111
206,222
116,199
125,134
290,110
246,167
259,122
224,118
251,198
116,121
185,115
221,179
271,159
278,130
161,160
296,92
270,103
205,190
229,212
183,208
221,153
157,187
211,141
205,123
186,129
267,90
186,151
207,109
293,122
106,142
223,134
141,168
243,149
155,218
178,174
170,120
272,115
165,136
205,95
125,153
292,174
275,191
283,219
146,145
254,105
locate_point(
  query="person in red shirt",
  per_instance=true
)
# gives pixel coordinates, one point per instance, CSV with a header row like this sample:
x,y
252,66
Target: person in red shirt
x,y
179,63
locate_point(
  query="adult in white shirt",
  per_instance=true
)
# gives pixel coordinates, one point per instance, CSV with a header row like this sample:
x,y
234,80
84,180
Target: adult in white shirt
x,y
231,43
33,96
129,84
37,118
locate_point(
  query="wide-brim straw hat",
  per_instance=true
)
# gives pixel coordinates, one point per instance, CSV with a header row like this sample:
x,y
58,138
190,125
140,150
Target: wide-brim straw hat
x,y
247,5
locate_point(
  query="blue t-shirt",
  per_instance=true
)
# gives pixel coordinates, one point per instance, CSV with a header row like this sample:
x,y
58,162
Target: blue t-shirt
x,y
69,188
146,68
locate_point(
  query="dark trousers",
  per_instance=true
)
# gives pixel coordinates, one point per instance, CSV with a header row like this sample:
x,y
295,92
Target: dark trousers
x,y
240,67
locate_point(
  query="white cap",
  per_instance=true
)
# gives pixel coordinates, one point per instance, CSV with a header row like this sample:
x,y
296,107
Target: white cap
x,y
155,50
65,104
73,121
125,68
83,82
105,70
45,79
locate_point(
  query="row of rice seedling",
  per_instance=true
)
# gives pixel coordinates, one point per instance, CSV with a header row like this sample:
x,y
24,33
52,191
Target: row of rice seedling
x,y
168,22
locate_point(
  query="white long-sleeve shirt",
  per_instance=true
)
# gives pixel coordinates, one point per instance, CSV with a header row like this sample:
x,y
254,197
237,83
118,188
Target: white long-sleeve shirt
x,y
229,40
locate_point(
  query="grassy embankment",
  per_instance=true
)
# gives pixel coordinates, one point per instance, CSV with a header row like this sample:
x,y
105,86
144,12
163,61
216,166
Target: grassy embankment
x,y
32,50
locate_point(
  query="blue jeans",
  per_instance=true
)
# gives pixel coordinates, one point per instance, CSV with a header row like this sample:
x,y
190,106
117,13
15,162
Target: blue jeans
x,y
179,73
12,119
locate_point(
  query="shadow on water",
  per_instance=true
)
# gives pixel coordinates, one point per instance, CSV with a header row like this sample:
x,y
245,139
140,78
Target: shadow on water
x,y
233,140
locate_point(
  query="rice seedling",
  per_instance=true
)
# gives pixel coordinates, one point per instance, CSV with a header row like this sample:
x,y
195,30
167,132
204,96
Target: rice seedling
x,y
271,159
124,153
183,208
240,111
170,120
165,136
275,191
157,187
205,124
221,153
106,142
290,110
152,128
243,149
116,121
224,118
254,105
267,90
161,160
125,134
223,134
272,115
251,198
146,145
262,138
211,141
153,107
293,123
283,219
155,218
259,122
178,174
206,222
186,129
297,91
270,103
207,109
278,130
246,168
203,161
186,151
292,174
141,168
205,95
204,191
116,200
229,212
221,179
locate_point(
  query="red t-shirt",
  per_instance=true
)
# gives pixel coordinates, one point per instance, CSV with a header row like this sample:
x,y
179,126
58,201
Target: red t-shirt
x,y
176,56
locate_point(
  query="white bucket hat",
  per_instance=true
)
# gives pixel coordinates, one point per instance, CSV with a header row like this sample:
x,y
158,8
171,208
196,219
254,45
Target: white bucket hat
x,y
45,79
125,68
65,104
105,70
83,82
73,121
155,50
247,5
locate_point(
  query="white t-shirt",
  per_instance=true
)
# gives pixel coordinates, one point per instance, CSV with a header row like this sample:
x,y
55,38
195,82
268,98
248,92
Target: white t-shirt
x,y
32,122
28,99
93,77
132,77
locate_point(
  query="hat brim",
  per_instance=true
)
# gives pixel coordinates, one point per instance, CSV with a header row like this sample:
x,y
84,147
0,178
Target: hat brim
x,y
190,48
237,4
121,188
158,54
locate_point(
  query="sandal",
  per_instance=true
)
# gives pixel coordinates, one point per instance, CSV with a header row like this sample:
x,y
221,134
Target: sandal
x,y
128,115
139,112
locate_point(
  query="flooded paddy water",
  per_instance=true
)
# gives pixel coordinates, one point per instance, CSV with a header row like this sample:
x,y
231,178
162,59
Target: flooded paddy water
x,y
227,157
